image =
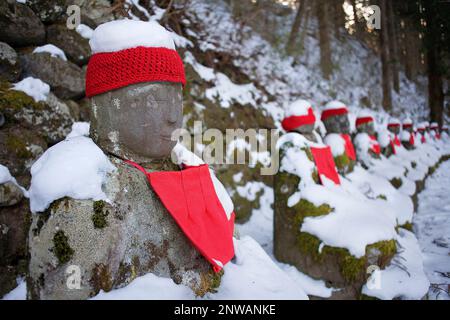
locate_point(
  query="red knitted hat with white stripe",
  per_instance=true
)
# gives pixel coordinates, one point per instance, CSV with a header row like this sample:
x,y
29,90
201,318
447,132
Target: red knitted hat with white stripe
x,y
126,52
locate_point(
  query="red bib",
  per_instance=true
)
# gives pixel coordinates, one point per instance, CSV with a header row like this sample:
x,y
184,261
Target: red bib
x,y
397,141
375,148
325,163
411,139
392,142
423,139
349,149
191,199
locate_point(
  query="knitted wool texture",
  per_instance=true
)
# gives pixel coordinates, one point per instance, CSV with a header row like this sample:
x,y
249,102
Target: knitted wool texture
x,y
107,71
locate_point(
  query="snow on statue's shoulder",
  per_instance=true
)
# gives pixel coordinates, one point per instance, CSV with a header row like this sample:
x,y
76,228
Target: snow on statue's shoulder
x,y
298,108
75,168
332,105
125,34
336,143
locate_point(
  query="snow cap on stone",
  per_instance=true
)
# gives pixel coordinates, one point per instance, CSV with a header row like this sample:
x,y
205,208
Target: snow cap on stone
x,y
125,34
298,108
335,104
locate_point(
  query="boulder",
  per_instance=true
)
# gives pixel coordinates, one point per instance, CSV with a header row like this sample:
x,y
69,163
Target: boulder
x,y
75,47
14,224
19,26
65,78
112,243
96,12
50,119
10,194
9,63
48,11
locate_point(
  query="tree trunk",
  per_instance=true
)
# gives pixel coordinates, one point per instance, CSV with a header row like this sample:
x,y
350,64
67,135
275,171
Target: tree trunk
x,y
295,26
393,47
324,39
384,50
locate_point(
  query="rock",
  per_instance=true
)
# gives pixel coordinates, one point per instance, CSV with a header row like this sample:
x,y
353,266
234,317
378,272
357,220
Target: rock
x,y
65,78
48,10
112,243
14,225
96,12
10,194
9,63
75,47
51,119
19,26
19,148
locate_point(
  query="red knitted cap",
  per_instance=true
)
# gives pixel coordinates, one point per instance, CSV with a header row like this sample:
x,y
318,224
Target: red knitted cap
x,y
108,71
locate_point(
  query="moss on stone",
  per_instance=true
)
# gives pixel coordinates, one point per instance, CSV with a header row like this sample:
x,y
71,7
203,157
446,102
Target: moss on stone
x,y
101,279
408,226
18,147
61,247
99,215
16,100
382,197
396,182
209,282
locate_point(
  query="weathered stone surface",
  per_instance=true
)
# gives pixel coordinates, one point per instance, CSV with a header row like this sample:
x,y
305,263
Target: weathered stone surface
x,y
337,124
10,194
48,10
65,78
112,243
96,12
14,224
19,26
9,63
75,47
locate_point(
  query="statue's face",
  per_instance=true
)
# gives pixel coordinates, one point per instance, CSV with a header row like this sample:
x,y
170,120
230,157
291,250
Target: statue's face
x,y
368,128
305,129
394,130
337,124
137,121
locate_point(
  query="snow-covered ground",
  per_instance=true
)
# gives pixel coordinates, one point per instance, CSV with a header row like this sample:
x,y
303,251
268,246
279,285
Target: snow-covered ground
x,y
432,228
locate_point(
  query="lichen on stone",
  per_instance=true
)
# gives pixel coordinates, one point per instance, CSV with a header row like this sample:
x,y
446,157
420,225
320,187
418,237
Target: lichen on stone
x,y
61,247
100,214
101,279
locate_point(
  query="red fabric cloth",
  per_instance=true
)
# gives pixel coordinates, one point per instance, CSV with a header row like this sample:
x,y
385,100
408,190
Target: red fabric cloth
x,y
397,141
107,71
293,122
394,151
412,139
191,199
393,125
333,112
323,159
349,149
363,120
375,147
423,139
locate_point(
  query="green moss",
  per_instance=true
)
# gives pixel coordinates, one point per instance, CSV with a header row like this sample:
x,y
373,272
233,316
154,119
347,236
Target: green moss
x,y
209,282
351,268
382,197
396,182
61,247
413,164
342,161
99,216
16,100
101,279
408,226
17,146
